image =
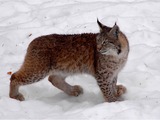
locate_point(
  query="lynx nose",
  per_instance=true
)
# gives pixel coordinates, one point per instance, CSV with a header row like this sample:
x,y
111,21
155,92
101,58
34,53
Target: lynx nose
x,y
119,51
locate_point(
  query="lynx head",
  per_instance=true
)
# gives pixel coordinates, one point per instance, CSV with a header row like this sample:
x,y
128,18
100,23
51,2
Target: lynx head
x,y
107,40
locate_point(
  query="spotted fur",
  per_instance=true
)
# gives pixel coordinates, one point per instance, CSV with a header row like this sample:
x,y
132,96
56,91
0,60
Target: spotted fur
x,y
102,55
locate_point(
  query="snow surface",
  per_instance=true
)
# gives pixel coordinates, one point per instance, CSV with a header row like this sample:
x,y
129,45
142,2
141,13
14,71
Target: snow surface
x,y
23,20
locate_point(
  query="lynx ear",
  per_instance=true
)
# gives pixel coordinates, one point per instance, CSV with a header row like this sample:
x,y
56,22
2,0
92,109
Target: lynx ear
x,y
101,26
114,32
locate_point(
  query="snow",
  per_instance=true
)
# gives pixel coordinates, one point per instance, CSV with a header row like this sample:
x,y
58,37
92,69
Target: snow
x,y
23,20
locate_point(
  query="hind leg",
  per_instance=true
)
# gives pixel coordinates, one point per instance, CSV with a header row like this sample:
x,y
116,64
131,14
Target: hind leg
x,y
14,90
35,67
19,79
28,74
60,83
15,83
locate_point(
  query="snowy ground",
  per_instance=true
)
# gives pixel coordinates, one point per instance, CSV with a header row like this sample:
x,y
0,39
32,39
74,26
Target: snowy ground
x,y
23,20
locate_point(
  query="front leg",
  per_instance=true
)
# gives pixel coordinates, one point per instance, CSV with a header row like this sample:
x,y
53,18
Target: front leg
x,y
105,83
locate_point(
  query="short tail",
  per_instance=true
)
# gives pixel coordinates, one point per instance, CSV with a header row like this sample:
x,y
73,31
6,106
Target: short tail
x,y
13,77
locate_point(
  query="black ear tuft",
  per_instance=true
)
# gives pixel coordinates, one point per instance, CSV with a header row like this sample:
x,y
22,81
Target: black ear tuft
x,y
101,26
114,32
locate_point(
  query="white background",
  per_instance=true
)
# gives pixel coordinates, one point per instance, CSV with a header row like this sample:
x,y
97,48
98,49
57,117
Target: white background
x,y
23,20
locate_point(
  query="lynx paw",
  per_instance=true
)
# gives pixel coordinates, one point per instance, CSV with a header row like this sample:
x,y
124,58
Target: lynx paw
x,y
18,97
121,90
76,91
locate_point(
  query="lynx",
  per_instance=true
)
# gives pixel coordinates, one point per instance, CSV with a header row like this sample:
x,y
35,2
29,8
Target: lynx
x,y
101,55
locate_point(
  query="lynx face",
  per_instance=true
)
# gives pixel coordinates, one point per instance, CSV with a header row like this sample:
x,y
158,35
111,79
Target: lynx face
x,y
107,40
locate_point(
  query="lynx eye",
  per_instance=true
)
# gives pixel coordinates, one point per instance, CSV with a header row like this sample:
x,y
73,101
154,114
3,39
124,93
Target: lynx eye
x,y
104,42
